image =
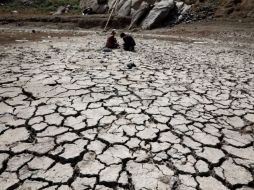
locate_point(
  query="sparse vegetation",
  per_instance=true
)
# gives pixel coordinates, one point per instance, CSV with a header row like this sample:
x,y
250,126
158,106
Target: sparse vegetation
x,y
40,5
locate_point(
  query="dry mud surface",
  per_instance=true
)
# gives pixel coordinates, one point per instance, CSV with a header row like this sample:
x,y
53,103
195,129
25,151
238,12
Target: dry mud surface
x,y
75,117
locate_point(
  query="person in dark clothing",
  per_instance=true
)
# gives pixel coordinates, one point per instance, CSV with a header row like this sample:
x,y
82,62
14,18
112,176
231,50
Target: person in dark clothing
x,y
111,41
129,42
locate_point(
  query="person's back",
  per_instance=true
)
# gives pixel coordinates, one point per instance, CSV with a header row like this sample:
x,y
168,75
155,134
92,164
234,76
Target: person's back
x,y
129,42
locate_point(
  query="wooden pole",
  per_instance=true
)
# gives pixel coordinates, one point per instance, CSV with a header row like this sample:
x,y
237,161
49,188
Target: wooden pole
x,y
114,6
117,2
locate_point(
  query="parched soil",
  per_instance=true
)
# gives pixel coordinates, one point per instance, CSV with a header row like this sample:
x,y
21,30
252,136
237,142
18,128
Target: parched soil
x,y
74,116
176,114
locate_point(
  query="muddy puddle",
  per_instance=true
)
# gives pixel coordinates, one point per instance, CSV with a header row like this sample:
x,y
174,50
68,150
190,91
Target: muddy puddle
x,y
14,36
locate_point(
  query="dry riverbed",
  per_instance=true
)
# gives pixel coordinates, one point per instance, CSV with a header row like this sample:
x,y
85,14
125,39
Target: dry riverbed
x,y
75,117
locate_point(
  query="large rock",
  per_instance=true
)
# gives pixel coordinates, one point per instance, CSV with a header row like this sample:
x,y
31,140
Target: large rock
x,y
139,14
97,6
111,3
158,14
179,13
62,9
125,9
116,5
135,4
120,3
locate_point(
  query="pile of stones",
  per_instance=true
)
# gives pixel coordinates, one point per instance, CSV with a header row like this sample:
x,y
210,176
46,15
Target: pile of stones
x,y
145,13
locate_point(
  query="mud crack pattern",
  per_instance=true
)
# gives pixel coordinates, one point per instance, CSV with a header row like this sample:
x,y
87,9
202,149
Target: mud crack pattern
x,y
74,117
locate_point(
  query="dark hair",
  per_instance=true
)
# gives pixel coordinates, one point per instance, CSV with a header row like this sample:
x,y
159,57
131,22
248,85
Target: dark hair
x,y
122,35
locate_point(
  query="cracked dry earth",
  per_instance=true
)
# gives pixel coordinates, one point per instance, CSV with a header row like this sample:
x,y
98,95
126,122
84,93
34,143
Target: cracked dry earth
x,y
74,117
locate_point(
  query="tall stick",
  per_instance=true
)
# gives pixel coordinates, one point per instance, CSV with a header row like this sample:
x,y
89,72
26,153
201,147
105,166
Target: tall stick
x,y
117,2
114,6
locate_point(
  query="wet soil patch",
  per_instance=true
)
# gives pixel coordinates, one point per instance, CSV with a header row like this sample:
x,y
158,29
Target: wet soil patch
x,y
7,37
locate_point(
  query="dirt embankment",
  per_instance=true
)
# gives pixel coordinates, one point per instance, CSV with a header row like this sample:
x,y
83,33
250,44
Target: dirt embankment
x,y
88,21
233,9
236,8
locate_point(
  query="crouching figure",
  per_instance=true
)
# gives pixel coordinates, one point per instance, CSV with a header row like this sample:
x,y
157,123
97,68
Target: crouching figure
x,y
111,41
129,42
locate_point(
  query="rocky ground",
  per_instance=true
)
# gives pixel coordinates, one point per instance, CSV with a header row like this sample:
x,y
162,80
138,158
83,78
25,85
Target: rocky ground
x,y
75,117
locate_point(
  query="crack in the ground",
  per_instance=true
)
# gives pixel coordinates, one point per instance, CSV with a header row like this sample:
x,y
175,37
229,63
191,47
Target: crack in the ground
x,y
179,120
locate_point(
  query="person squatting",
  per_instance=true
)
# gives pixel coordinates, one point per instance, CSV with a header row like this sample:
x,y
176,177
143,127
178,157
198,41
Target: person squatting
x,y
128,45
